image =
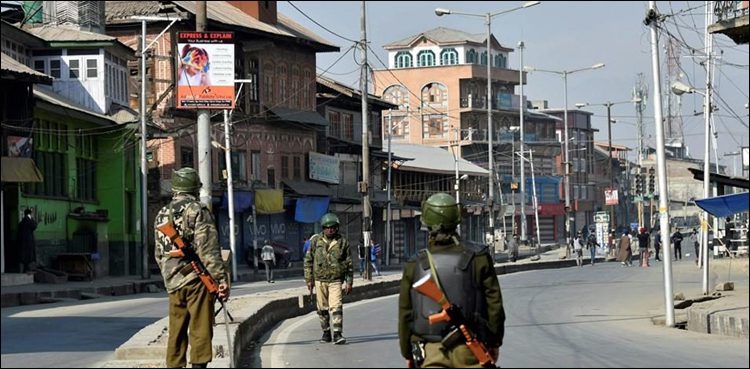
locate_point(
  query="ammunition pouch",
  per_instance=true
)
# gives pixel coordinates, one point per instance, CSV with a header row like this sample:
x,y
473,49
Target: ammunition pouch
x,y
452,339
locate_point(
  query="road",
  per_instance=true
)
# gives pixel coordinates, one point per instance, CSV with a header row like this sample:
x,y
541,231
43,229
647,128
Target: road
x,y
86,333
596,316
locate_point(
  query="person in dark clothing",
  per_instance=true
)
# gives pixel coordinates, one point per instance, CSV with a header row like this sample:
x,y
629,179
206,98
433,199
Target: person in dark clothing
x,y
677,242
26,241
643,242
657,245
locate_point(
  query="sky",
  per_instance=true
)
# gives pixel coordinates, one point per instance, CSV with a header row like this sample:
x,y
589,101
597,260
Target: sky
x,y
564,35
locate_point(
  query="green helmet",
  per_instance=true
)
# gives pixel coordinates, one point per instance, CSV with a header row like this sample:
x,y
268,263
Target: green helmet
x,y
185,180
329,220
441,210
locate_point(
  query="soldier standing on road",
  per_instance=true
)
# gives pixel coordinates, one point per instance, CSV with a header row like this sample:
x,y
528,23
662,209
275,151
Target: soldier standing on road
x,y
468,280
191,306
328,267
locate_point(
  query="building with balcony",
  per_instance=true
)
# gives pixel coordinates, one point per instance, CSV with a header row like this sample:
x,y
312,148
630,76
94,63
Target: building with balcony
x,y
732,20
438,80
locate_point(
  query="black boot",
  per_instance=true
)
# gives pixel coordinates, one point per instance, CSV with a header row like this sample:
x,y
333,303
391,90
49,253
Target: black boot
x,y
338,339
196,365
326,337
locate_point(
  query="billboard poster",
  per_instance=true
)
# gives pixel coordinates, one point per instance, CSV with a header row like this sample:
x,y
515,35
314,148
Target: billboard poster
x,y
324,168
205,70
610,197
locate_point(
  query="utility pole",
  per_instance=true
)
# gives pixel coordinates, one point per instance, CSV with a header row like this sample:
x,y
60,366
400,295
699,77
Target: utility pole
x,y
612,220
707,149
144,164
363,188
204,124
523,148
491,163
651,20
388,225
640,93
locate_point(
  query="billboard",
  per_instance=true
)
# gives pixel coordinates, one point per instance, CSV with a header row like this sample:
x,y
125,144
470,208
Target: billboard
x,y
205,70
610,197
324,168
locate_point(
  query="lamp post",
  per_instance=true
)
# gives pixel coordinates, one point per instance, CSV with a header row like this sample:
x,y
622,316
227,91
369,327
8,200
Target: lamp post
x,y
564,74
513,130
679,88
609,104
490,165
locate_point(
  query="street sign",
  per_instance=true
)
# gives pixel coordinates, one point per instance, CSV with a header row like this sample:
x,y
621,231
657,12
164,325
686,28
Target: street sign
x,y
610,197
601,217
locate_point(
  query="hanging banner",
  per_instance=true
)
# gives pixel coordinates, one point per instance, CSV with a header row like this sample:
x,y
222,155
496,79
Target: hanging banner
x,y
205,70
610,197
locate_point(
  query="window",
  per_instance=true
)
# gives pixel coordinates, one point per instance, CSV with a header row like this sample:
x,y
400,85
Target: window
x,y
397,95
251,88
255,164
334,130
75,68
435,94
92,68
426,58
39,66
85,168
433,125
297,169
281,76
271,178
284,167
237,159
307,84
268,80
403,59
483,60
471,57
448,57
186,157
50,156
295,88
347,127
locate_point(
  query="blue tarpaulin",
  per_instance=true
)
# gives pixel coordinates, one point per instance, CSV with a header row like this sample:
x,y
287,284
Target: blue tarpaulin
x,y
724,206
242,201
311,209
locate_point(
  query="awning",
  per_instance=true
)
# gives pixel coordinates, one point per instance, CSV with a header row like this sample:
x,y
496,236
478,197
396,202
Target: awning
x,y
299,116
308,188
311,209
20,170
724,206
243,200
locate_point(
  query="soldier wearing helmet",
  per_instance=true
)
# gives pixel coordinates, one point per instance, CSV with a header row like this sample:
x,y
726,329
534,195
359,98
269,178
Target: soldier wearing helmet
x,y
328,268
466,276
191,306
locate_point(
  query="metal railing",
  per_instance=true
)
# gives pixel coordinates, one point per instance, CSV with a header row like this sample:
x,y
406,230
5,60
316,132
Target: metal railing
x,y
730,9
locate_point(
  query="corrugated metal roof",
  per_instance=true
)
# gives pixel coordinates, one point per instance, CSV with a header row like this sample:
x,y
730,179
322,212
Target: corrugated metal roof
x,y
443,36
62,33
348,91
434,160
219,11
58,100
15,67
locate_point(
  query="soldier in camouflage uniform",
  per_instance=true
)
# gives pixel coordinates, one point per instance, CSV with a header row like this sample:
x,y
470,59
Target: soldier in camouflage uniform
x,y
328,267
468,280
191,306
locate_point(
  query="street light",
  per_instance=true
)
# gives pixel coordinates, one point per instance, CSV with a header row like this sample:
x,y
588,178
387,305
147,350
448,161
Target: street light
x,y
488,18
679,88
609,145
513,130
564,74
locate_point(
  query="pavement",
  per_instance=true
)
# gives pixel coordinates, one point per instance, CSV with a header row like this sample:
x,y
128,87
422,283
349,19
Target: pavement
x,y
723,313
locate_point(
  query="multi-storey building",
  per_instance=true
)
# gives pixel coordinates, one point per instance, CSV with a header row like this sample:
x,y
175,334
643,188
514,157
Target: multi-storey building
x,y
438,80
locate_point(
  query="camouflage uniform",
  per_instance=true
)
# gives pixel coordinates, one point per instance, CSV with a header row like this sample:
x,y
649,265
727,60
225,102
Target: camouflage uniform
x,y
190,304
329,264
472,281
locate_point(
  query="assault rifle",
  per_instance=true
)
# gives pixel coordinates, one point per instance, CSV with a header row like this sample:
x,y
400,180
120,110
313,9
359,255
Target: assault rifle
x,y
452,314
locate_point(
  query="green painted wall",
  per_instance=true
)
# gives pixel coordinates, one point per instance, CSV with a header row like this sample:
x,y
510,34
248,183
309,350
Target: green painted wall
x,y
116,192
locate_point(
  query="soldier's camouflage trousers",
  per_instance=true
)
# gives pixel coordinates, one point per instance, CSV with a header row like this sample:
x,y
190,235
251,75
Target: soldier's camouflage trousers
x,y
329,302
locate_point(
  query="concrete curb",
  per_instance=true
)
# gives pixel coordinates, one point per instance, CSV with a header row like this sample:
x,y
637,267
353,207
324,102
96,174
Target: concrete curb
x,y
126,288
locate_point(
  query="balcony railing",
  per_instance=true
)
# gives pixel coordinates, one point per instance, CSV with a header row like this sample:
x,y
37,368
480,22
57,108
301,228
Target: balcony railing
x,y
730,9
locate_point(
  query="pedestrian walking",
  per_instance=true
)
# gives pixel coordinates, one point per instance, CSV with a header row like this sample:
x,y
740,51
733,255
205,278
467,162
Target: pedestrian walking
x,y
578,248
191,305
626,252
592,244
657,245
331,276
643,246
374,251
677,242
27,242
514,244
269,259
696,245
465,276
